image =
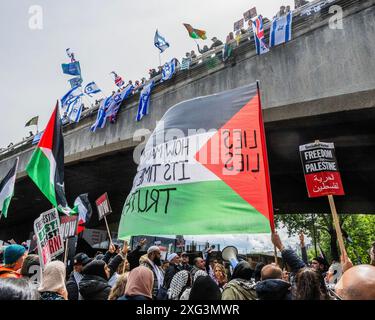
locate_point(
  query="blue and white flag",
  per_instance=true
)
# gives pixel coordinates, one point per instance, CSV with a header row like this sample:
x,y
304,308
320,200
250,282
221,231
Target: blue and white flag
x,y
160,42
168,70
259,38
144,101
91,88
281,30
117,100
102,115
75,112
73,68
75,82
70,96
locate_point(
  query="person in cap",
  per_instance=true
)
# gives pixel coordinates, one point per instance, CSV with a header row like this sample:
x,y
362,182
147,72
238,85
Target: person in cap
x,y
53,282
185,262
174,267
216,43
14,256
153,262
72,285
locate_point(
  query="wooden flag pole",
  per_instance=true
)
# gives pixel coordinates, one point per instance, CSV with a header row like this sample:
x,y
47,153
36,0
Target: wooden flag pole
x,y
109,234
337,225
66,250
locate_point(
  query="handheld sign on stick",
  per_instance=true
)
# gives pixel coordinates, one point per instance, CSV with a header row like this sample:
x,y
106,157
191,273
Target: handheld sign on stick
x,y
104,209
323,178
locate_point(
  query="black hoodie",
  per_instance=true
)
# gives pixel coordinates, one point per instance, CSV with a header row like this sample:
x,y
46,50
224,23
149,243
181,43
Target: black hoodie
x,y
273,289
94,284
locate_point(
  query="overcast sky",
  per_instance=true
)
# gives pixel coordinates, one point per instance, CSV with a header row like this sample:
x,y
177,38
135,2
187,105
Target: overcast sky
x,y
111,35
105,36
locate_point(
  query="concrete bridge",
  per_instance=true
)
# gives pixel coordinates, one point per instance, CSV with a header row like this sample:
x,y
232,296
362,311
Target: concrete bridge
x,y
321,85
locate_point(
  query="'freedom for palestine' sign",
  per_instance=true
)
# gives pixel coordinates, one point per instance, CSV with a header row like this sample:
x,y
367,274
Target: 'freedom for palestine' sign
x,y
321,171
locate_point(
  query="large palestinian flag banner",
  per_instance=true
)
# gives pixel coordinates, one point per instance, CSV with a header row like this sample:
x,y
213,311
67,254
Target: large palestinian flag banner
x,y
204,170
46,166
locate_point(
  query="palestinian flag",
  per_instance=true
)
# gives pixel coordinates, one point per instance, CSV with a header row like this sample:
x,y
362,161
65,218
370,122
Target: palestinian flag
x,y
195,33
204,170
46,166
7,189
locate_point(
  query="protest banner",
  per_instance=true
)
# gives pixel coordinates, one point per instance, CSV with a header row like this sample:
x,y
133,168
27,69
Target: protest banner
x,y
104,209
49,239
323,178
68,229
238,25
321,171
250,14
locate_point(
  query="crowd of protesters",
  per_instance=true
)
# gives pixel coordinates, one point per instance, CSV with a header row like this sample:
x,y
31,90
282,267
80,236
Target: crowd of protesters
x,y
120,274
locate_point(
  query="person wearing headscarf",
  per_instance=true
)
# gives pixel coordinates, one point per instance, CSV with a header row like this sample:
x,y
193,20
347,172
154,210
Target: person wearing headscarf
x,y
204,288
139,284
186,293
240,287
180,281
94,284
53,282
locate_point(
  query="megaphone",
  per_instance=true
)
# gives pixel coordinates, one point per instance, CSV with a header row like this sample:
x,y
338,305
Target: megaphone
x,y
230,254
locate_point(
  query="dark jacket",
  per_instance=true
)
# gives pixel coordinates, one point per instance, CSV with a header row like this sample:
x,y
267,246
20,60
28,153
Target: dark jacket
x,y
169,274
72,287
273,289
186,267
133,257
292,260
47,295
94,288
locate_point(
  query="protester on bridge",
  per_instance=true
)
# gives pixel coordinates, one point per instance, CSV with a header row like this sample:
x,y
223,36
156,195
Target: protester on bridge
x,y
118,290
240,287
94,284
72,285
174,267
357,283
204,50
185,262
179,283
204,288
17,289
14,256
216,43
272,286
139,285
193,55
153,262
53,282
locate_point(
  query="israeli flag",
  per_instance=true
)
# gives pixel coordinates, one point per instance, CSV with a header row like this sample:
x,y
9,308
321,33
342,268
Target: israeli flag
x,y
73,68
76,110
168,70
91,88
117,100
144,101
160,42
75,82
71,96
102,115
281,30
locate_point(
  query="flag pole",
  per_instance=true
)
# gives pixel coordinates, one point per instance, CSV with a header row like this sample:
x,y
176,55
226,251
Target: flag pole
x,y
66,250
159,58
109,234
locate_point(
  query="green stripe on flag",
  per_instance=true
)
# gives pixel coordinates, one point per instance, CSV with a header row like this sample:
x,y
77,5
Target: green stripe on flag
x,y
6,203
172,209
39,171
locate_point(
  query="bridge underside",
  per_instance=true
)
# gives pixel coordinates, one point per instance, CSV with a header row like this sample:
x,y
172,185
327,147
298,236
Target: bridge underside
x,y
352,132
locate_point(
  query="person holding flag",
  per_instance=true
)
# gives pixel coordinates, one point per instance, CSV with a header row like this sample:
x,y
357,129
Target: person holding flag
x,y
118,80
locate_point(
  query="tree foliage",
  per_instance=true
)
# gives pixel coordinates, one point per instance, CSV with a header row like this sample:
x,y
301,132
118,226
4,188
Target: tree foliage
x,y
360,229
